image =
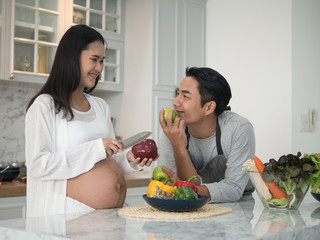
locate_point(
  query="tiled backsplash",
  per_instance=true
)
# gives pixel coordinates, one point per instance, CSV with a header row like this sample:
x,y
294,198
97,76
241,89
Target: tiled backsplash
x,y
14,98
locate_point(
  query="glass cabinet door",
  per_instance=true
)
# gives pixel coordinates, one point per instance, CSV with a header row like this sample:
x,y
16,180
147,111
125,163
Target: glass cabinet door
x,y
113,67
35,35
111,70
106,16
101,14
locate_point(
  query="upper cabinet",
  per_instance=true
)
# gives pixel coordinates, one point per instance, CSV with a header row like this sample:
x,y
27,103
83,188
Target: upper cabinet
x,y
179,42
35,28
34,41
107,16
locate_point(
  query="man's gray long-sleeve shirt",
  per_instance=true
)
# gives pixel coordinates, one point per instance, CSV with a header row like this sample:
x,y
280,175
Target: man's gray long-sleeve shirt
x,y
238,145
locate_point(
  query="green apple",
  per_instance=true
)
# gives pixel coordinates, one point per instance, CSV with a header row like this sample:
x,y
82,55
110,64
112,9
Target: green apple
x,y
159,175
166,111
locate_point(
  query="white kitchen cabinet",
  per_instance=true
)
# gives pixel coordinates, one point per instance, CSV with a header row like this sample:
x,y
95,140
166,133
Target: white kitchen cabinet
x,y
15,207
34,29
134,196
2,38
12,207
179,42
107,16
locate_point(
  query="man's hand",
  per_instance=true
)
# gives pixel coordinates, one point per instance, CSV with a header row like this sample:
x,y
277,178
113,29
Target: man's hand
x,y
141,162
174,131
171,174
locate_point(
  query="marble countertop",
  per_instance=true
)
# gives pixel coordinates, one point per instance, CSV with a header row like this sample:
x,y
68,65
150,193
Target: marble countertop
x,y
248,220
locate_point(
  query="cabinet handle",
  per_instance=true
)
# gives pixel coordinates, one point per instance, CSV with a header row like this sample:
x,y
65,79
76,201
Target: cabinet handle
x,y
11,76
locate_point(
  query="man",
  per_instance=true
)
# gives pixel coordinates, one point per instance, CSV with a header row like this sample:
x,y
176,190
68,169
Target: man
x,y
207,139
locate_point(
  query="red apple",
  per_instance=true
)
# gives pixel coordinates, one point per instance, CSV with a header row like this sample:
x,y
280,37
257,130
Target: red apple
x,y
145,149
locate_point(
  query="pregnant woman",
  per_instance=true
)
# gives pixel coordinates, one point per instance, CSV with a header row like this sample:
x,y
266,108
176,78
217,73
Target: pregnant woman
x,y
74,164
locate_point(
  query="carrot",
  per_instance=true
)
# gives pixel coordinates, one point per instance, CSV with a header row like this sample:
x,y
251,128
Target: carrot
x,y
318,154
259,164
274,189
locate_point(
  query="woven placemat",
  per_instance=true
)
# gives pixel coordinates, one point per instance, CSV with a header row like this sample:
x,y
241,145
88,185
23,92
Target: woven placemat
x,y
147,212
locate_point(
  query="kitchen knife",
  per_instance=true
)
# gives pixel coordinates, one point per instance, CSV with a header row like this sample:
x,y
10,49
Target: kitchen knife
x,y
135,139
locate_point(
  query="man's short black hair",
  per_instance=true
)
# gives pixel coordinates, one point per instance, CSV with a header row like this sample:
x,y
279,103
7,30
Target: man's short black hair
x,y
212,87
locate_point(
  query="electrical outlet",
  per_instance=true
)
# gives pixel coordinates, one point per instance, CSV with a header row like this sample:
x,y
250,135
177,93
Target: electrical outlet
x,y
304,123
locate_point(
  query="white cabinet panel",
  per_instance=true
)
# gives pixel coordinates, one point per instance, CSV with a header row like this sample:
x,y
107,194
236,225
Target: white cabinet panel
x,y
13,207
161,99
2,48
179,42
134,196
2,38
194,34
165,41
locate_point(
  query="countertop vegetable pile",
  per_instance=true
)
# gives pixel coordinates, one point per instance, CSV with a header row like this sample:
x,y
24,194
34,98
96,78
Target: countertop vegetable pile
x,y
282,183
292,174
159,188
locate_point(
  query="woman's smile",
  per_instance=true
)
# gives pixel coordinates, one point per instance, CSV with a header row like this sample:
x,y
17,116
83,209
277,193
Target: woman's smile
x,y
93,75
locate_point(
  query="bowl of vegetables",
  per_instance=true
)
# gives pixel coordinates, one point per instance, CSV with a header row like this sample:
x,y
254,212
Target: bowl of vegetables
x,y
282,183
180,196
315,177
176,204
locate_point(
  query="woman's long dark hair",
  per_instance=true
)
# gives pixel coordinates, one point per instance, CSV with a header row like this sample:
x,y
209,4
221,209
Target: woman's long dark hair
x,y
65,74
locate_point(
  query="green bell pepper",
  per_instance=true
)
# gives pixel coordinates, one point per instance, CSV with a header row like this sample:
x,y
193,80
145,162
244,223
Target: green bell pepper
x,y
185,192
159,174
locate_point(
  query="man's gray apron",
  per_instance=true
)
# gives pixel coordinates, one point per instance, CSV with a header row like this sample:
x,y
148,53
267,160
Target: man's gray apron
x,y
215,169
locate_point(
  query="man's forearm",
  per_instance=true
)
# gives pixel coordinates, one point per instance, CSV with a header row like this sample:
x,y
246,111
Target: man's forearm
x,y
185,168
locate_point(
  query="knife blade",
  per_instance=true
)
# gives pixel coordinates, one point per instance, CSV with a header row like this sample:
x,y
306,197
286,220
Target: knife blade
x,y
135,139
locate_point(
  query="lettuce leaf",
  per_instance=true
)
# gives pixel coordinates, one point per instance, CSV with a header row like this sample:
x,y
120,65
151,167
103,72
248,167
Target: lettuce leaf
x,y
315,177
280,203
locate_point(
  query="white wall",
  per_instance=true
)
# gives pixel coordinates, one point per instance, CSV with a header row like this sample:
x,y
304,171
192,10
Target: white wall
x,y
306,72
249,43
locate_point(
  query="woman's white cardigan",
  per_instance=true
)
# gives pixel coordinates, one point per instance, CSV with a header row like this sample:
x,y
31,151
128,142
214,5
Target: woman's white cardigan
x,y
49,160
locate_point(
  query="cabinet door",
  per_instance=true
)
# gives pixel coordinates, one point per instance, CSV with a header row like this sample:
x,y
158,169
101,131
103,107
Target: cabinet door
x,y
112,76
107,16
35,36
134,196
12,207
179,42
2,39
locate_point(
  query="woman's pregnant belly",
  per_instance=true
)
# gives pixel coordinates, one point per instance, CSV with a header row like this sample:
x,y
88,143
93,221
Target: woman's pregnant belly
x,y
103,186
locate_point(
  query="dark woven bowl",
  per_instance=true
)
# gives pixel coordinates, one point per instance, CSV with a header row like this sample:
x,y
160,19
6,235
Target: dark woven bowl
x,y
176,205
316,196
10,174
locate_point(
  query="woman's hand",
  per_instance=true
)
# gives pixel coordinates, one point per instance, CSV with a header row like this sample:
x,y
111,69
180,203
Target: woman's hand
x,y
141,162
111,146
174,131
